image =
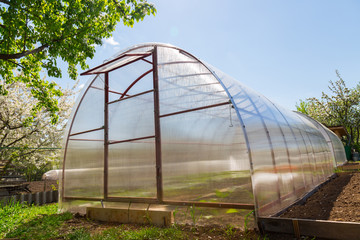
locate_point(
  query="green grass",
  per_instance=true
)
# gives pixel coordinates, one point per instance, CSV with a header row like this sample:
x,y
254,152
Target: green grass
x,y
35,222
44,222
148,233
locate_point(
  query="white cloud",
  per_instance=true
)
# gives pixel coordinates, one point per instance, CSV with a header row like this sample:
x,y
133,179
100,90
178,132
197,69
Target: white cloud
x,y
111,41
81,86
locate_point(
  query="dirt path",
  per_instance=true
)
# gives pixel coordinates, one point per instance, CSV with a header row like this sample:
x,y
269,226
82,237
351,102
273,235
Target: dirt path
x,y
338,200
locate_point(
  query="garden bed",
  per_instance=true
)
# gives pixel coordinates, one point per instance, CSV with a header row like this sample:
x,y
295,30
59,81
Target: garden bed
x,y
330,213
337,200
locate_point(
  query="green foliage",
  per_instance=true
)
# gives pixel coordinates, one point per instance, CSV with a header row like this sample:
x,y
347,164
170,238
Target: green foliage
x,y
230,232
246,221
340,107
303,107
232,210
79,234
34,34
30,222
149,233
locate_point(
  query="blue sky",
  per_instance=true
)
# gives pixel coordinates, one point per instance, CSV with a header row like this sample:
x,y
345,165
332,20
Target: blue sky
x,y
285,49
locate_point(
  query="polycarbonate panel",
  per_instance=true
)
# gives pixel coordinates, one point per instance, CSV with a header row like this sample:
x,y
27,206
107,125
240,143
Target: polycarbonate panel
x,y
132,118
123,79
123,60
336,147
132,169
339,151
90,113
84,168
204,157
289,157
185,85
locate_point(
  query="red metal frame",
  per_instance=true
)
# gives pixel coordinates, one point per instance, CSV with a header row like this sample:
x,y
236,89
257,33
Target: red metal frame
x,y
90,140
134,82
195,109
92,130
176,203
111,91
141,55
159,182
131,140
145,60
106,135
135,95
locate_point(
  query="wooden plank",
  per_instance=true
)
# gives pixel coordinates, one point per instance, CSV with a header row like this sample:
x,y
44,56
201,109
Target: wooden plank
x,y
313,228
159,217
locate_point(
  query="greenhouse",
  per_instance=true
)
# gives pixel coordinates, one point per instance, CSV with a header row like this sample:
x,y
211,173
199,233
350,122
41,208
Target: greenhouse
x,y
156,125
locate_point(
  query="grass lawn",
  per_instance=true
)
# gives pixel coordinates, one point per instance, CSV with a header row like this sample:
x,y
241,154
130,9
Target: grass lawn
x,y
45,222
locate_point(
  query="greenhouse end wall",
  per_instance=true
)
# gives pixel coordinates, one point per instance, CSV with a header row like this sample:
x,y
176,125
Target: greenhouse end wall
x,y
157,125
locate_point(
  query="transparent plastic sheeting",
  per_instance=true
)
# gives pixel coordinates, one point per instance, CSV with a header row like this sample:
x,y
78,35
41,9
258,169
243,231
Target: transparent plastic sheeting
x,y
221,142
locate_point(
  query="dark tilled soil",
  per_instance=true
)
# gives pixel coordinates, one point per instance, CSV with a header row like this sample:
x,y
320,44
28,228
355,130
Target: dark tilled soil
x,y
337,200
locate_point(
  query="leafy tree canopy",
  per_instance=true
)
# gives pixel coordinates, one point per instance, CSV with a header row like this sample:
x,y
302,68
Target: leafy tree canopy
x,y
340,107
35,33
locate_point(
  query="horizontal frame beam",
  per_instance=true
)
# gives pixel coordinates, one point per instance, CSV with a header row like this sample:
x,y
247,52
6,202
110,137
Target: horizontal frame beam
x,y
175,203
135,95
92,130
195,109
131,140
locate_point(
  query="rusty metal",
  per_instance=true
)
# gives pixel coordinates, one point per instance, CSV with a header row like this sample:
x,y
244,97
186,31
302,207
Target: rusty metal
x,y
106,135
159,183
195,109
92,130
131,140
134,82
141,55
135,95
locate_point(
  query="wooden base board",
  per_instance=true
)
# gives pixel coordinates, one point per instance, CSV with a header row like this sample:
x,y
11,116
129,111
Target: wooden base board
x,y
313,228
157,217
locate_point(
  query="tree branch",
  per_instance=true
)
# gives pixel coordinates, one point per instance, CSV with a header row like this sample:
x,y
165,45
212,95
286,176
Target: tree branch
x,y
22,54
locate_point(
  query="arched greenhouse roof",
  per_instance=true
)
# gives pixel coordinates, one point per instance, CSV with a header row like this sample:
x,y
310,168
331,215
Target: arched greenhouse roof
x,y
155,124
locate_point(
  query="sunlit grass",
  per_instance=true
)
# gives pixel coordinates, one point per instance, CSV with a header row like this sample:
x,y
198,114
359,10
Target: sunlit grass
x,y
30,222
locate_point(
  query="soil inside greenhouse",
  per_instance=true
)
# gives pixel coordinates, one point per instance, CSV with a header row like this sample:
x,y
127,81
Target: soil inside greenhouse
x,y
337,200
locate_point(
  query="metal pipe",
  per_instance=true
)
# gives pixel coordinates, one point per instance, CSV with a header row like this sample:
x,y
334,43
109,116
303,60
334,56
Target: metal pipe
x,y
159,183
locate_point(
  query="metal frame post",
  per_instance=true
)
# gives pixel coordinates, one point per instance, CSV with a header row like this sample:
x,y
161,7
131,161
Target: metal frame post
x,y
159,184
106,134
